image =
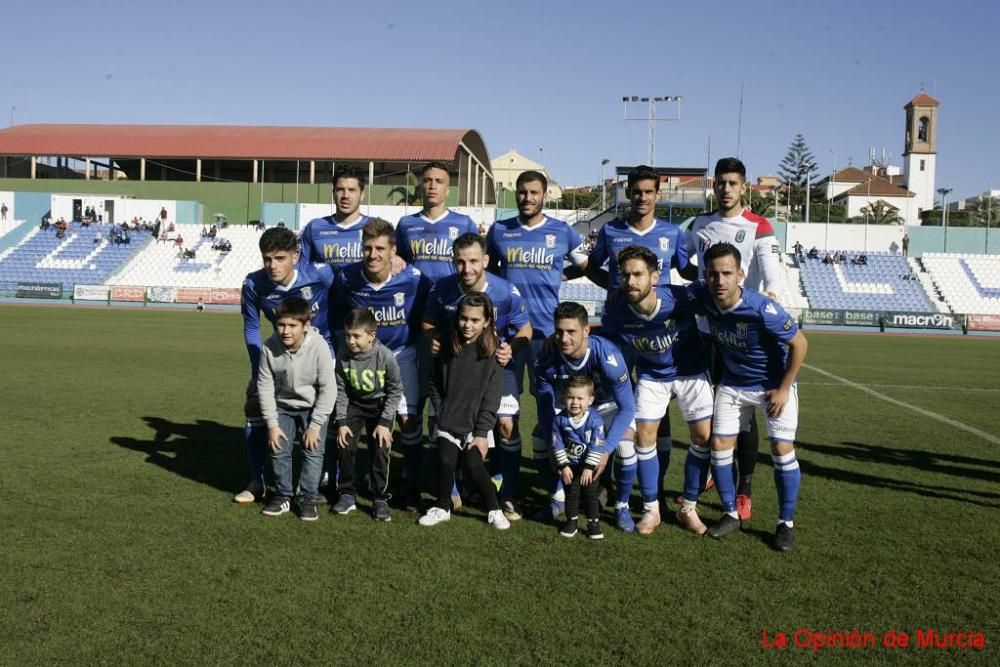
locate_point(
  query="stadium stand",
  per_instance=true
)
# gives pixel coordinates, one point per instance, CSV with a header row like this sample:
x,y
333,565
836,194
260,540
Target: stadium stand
x,y
162,264
968,283
43,257
791,296
884,283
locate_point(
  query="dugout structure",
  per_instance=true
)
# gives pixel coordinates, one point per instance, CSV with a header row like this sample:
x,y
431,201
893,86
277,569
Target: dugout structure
x,y
232,170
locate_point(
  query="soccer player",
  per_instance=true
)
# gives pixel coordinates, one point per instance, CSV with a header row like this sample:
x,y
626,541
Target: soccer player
x,y
336,239
667,242
397,300
657,323
762,351
754,237
514,330
424,240
574,351
282,277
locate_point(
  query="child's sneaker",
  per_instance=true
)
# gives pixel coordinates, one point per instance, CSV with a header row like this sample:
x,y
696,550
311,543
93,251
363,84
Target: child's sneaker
x,y
279,505
380,512
434,516
496,519
253,491
510,510
594,530
345,505
569,529
307,510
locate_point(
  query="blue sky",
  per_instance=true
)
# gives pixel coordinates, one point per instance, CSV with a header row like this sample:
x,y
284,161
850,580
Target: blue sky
x,y
529,74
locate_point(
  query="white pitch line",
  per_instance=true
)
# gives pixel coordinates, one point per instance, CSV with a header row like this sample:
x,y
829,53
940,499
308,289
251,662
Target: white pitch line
x,y
989,437
907,386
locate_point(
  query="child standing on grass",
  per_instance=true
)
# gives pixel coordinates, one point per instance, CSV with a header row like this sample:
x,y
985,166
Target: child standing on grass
x,y
368,391
468,382
297,385
577,447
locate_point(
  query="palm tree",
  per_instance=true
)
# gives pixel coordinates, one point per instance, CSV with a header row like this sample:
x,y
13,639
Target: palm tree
x,y
882,213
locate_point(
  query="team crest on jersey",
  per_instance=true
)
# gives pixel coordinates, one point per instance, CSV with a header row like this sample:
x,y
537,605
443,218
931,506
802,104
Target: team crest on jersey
x,y
307,293
453,233
740,235
550,240
399,298
664,244
741,329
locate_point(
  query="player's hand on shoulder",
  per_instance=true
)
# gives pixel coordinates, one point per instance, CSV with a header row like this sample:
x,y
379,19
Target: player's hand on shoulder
x,y
397,264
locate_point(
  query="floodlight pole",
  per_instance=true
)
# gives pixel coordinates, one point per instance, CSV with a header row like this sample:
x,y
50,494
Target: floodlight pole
x,y
651,117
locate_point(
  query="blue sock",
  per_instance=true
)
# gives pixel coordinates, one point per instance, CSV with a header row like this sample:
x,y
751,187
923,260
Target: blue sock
x,y
648,468
254,442
626,469
663,445
787,477
510,467
413,459
725,481
696,471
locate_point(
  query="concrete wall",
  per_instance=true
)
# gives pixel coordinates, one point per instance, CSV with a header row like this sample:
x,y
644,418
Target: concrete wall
x,y
964,240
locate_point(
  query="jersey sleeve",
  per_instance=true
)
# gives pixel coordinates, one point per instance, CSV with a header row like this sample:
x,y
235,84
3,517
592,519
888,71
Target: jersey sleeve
x,y
432,308
681,258
545,399
577,254
422,290
339,300
402,245
250,308
597,446
558,446
305,243
599,254
518,315
613,365
777,322
765,250
496,259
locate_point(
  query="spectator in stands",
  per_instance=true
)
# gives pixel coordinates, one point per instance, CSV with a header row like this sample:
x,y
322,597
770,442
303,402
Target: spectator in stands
x,y
828,259
906,245
814,253
281,223
171,228
163,213
797,248
45,222
3,212
189,253
842,257
98,237
893,247
860,260
260,225
179,241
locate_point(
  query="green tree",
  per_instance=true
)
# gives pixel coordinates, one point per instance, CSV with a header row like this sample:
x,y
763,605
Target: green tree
x,y
984,211
796,168
881,213
578,199
760,203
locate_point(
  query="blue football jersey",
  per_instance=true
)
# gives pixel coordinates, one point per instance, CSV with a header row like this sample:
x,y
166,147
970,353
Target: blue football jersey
x,y
260,295
665,239
752,337
667,343
533,259
398,303
604,363
578,442
426,243
510,313
324,241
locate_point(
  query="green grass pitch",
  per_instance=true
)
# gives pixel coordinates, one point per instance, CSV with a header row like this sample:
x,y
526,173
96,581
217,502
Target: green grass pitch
x,y
122,447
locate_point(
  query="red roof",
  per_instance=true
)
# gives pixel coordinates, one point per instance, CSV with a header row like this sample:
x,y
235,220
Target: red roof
x,y
924,100
238,142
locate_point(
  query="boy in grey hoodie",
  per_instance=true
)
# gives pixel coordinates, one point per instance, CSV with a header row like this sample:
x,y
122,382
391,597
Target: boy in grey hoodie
x,y
369,389
297,386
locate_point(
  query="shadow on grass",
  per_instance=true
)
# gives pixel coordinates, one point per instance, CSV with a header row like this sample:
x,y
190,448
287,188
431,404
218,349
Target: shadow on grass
x,y
205,451
875,454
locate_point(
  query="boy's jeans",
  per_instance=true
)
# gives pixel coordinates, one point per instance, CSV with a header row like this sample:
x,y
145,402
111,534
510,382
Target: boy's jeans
x,y
291,422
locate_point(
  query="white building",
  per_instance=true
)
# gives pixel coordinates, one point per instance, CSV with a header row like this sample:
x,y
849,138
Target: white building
x,y
909,193
510,165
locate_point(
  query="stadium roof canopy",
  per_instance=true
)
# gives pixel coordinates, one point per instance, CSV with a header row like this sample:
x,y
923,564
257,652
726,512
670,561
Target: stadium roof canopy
x,y
241,142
